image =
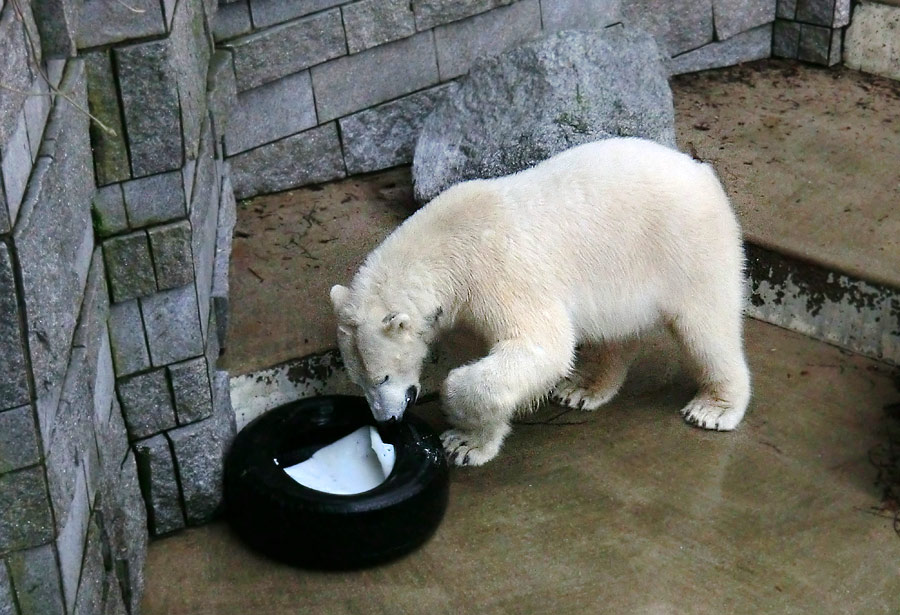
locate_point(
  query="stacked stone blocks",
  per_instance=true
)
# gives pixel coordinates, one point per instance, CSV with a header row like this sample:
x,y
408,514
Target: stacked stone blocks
x,y
330,88
113,279
810,30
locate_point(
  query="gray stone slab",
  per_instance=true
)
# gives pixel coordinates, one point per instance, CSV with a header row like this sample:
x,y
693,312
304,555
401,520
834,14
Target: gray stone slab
x,y
146,403
191,389
103,22
222,92
104,380
93,574
385,136
71,450
15,164
200,450
172,322
204,215
559,15
54,241
126,332
460,44
785,39
815,44
755,44
786,9
4,213
155,199
376,75
159,484
37,111
369,23
151,109
57,23
816,12
232,20
113,604
835,54
170,245
190,55
7,596
18,439
130,266
25,519
15,70
108,211
35,577
13,375
431,13
841,13
122,507
307,158
582,86
110,151
690,25
125,521
270,12
71,539
270,112
224,238
288,48
733,17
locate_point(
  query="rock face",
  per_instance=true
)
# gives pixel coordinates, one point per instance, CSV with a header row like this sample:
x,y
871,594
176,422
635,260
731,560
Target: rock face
x,y
512,111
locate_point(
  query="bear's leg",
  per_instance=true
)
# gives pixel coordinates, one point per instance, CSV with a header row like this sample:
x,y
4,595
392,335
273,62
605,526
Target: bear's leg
x,y
714,342
600,371
481,398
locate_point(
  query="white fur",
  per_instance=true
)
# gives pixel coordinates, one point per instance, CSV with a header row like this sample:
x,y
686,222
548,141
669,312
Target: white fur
x,y
590,248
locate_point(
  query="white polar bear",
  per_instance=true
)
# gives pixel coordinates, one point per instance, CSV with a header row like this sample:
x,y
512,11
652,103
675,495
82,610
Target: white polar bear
x,y
587,249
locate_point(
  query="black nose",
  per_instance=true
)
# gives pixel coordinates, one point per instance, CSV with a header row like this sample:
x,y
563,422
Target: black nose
x,y
412,394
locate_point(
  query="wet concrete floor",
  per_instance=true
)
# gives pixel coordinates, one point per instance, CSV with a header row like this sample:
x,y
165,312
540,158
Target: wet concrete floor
x,y
625,510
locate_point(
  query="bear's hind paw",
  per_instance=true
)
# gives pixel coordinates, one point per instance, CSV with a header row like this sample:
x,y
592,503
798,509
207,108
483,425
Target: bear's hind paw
x,y
573,394
712,413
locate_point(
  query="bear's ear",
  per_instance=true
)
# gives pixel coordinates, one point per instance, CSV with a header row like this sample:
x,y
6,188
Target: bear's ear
x,y
395,322
339,295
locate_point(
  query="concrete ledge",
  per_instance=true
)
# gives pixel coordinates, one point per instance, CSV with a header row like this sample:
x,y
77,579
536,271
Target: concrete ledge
x,y
824,304
872,43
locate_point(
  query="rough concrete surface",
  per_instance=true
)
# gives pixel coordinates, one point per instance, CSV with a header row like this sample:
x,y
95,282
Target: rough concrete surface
x,y
630,511
808,156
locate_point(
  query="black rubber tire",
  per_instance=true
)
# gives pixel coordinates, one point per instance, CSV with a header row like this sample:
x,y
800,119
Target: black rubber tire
x,y
309,528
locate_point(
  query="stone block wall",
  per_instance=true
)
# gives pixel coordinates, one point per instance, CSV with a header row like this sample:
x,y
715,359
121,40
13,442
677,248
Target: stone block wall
x,y
329,88
114,243
810,30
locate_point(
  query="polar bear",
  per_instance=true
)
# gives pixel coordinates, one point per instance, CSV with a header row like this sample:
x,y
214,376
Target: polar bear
x,y
561,267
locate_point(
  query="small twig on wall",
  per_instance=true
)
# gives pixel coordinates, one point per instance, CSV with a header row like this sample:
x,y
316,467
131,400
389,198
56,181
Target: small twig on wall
x,y
131,8
40,71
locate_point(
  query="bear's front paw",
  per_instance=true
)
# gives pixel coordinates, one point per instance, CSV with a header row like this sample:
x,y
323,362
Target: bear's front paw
x,y
466,448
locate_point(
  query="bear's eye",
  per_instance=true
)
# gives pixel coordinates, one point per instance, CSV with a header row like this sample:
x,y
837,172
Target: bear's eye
x,y
382,381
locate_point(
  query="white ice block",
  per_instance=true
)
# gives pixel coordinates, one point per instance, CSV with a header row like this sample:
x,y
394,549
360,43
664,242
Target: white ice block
x,y
357,462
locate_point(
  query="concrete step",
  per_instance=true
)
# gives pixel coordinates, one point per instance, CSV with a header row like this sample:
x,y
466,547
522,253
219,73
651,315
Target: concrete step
x,y
806,154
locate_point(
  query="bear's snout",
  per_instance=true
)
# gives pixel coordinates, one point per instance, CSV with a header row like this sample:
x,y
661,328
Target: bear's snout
x,y
389,402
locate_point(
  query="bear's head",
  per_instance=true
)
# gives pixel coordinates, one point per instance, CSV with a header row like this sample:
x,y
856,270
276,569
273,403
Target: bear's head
x,y
383,350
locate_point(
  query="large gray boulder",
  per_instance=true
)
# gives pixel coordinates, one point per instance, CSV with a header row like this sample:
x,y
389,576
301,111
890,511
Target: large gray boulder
x,y
514,110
